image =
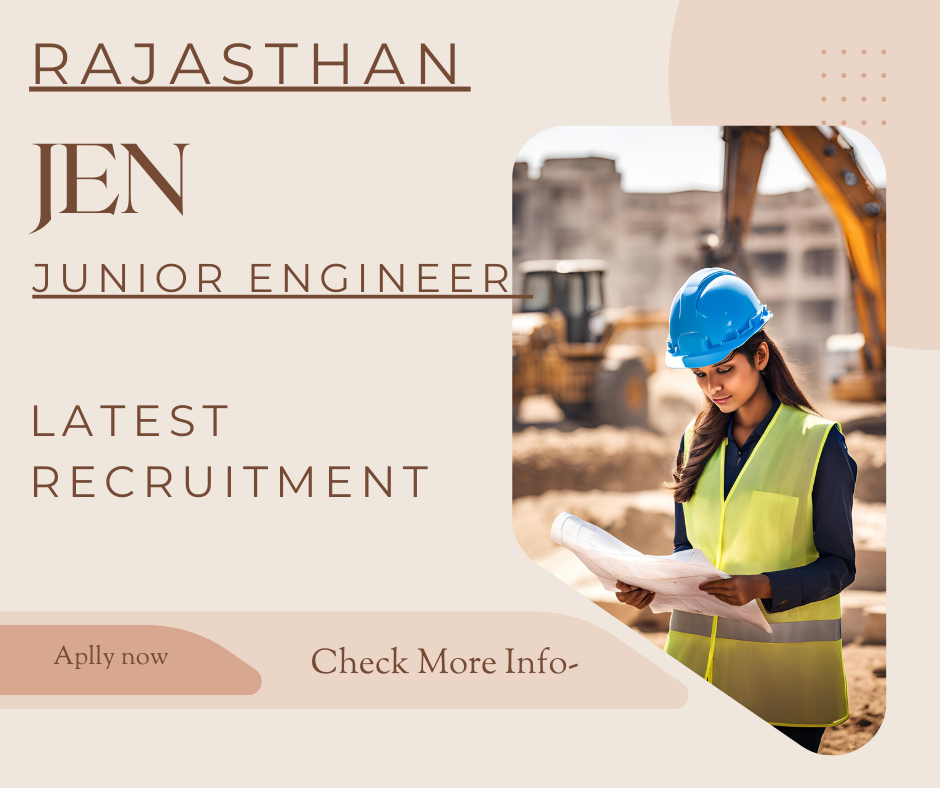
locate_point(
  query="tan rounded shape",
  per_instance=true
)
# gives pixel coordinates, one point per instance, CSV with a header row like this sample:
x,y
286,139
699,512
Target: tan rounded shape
x,y
864,51
884,51
863,122
824,75
843,98
824,51
843,51
883,122
843,76
884,98
696,66
864,99
202,666
823,98
864,75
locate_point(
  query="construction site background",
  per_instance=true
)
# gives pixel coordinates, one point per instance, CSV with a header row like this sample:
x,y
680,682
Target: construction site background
x,y
652,242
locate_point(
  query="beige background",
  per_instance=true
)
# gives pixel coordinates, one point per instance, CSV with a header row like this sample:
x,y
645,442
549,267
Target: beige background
x,y
395,179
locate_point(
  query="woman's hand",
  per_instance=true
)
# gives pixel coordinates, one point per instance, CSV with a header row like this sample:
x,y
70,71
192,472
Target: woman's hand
x,y
738,589
634,595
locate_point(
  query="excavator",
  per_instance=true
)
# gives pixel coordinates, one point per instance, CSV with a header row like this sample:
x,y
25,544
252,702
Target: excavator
x,y
832,164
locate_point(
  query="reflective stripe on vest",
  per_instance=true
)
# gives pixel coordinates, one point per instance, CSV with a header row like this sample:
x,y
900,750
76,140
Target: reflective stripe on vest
x,y
792,632
794,676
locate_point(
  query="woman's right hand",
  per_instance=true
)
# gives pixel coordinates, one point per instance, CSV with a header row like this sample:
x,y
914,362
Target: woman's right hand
x,y
634,595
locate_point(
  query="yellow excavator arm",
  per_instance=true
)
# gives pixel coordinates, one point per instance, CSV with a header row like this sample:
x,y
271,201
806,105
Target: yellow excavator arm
x,y
862,216
745,147
857,207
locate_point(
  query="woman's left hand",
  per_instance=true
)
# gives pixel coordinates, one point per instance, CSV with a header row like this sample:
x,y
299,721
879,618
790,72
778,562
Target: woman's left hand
x,y
738,590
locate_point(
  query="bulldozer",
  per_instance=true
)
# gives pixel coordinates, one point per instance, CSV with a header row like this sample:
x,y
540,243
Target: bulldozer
x,y
566,344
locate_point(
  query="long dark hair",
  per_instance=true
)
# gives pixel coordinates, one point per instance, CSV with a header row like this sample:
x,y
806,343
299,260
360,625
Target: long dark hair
x,y
711,425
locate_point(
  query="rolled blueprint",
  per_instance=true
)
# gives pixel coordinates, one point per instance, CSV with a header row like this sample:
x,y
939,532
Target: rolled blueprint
x,y
674,578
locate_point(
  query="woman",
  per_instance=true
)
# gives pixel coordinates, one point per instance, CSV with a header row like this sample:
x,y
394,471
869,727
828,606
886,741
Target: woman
x,y
763,486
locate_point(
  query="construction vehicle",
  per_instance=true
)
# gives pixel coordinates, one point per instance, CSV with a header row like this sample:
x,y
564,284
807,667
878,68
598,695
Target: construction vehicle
x,y
861,214
566,344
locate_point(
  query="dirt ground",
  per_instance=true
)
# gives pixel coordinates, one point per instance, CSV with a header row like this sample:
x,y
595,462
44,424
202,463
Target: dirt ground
x,y
863,664
624,460
601,458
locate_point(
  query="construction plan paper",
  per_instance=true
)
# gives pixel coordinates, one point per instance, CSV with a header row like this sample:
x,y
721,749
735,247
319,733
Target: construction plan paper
x,y
675,579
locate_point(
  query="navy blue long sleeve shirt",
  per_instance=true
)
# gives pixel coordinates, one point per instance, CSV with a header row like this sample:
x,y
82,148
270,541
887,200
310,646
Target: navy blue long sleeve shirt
x,y
833,490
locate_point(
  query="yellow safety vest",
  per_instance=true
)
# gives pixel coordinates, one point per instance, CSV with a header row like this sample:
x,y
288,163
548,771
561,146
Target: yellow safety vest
x,y
794,676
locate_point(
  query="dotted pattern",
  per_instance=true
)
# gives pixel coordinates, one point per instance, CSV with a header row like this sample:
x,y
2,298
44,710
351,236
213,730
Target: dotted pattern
x,y
849,76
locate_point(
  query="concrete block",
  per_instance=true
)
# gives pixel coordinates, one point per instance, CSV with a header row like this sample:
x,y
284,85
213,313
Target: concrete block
x,y
876,625
853,611
870,569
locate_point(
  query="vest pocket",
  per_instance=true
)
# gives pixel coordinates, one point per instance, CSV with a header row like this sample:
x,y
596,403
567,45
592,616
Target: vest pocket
x,y
771,518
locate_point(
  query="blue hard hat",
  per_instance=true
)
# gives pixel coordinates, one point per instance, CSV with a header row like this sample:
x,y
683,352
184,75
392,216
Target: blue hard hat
x,y
713,313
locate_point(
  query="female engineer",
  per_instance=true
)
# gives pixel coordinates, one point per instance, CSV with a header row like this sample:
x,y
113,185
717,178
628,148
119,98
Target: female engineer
x,y
763,486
